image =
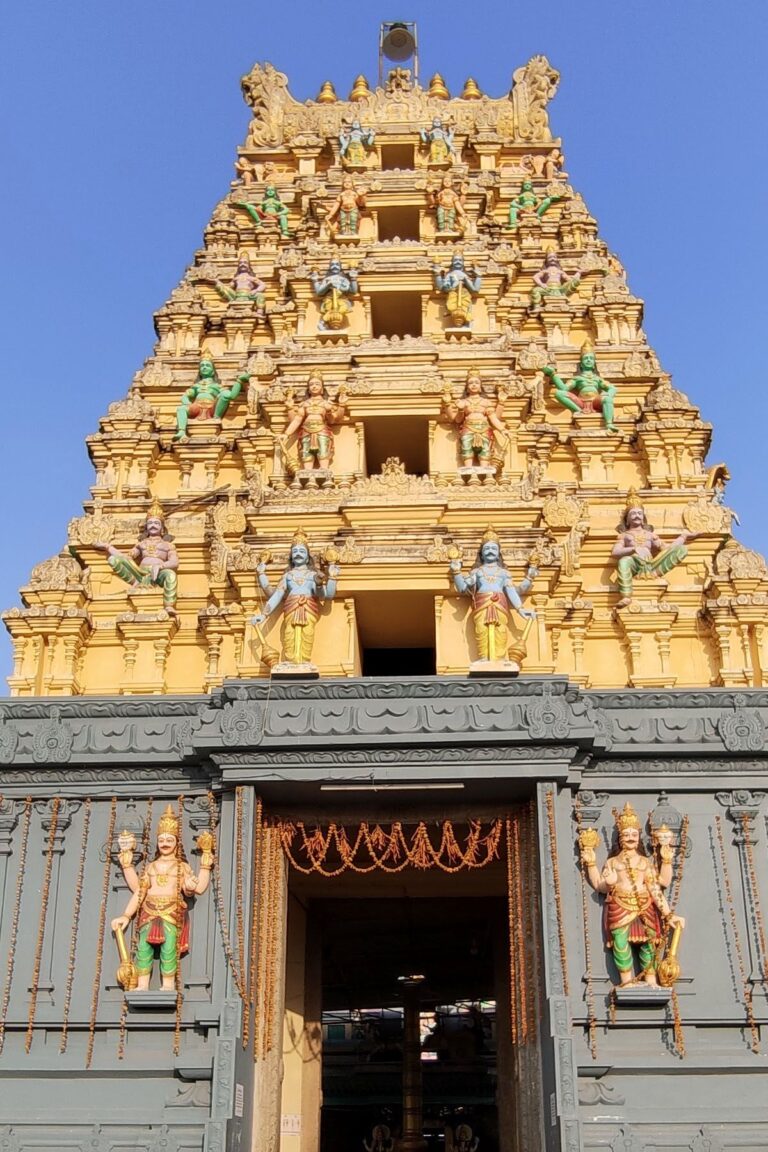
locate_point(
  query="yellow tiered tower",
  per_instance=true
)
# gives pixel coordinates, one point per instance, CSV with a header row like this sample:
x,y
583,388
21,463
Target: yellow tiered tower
x,y
395,185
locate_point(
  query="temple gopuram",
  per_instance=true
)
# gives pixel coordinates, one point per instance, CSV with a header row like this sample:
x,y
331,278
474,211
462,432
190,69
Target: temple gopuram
x,y
384,765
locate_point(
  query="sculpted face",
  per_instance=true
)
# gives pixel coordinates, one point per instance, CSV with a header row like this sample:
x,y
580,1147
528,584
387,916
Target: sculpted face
x,y
527,186
437,122
458,263
588,361
355,125
490,552
347,182
271,191
315,386
206,369
299,554
629,837
154,526
166,844
635,517
334,268
474,386
552,260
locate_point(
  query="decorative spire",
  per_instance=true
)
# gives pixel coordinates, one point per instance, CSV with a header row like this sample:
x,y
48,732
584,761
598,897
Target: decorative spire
x,y
360,89
327,94
437,89
471,90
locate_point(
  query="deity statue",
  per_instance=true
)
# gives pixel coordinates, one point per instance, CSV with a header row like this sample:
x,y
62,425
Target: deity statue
x,y
550,280
636,913
449,207
439,139
301,590
344,216
355,144
482,432
553,165
244,285
587,391
381,1139
246,171
458,287
493,594
158,903
527,203
462,1140
271,208
152,562
311,419
206,399
639,551
333,288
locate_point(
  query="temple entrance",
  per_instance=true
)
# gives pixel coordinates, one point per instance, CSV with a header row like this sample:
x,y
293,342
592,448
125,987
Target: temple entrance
x,y
411,977
424,963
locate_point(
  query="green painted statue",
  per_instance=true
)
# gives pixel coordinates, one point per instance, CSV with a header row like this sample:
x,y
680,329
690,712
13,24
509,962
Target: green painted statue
x,y
206,399
527,203
639,551
153,561
587,391
270,208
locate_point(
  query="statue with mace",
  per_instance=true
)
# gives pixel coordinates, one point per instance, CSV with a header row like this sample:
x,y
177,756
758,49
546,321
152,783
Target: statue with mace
x,y
301,591
459,288
158,903
483,434
494,594
636,913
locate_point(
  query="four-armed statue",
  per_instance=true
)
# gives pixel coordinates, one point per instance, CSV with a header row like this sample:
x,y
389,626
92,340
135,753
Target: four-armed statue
x,y
439,139
311,420
344,216
245,285
494,594
334,289
639,551
301,590
206,399
153,560
587,391
449,208
527,203
482,432
158,903
355,144
636,911
551,280
270,210
459,289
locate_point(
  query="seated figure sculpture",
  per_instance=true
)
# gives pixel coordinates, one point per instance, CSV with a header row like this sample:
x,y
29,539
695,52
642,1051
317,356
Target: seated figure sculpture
x,y
551,280
301,590
206,399
153,560
587,391
639,551
636,910
271,209
245,285
527,203
493,595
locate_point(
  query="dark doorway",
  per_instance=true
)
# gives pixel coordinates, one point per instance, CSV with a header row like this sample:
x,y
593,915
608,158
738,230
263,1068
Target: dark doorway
x,y
397,156
398,662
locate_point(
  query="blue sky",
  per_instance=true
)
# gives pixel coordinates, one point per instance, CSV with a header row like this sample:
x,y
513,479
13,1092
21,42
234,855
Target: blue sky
x,y
118,130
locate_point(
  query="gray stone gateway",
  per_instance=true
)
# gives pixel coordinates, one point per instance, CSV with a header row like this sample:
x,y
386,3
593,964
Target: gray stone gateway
x,y
244,1057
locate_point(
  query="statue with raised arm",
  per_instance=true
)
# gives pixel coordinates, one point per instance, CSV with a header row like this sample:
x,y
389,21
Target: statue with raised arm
x,y
245,285
449,207
344,216
153,561
207,398
459,288
158,902
494,595
636,912
354,145
381,1140
587,391
311,420
334,290
270,209
301,591
482,432
527,203
551,280
439,140
638,551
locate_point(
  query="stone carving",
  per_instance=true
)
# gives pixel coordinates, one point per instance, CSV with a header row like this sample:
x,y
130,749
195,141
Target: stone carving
x,y
552,281
152,561
334,290
665,398
742,730
535,84
52,741
131,407
549,717
740,563
483,434
533,356
311,420
355,145
157,900
438,139
206,399
9,742
344,216
156,374
635,903
90,529
528,204
61,573
587,391
241,723
245,286
704,515
562,510
459,288
394,480
448,205
269,212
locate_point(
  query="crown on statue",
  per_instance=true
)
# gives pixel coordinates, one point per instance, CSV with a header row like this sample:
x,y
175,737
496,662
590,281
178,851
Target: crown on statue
x,y
168,823
156,510
300,537
627,818
490,536
587,348
633,499
206,354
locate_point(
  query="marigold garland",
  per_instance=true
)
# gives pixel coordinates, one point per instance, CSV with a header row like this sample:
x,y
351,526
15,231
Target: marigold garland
x,y
15,918
179,926
755,893
220,913
44,897
76,907
556,881
254,925
100,936
747,988
591,1016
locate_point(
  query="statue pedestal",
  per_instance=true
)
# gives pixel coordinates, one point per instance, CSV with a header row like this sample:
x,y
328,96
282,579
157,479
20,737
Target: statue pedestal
x,y
494,668
287,671
312,478
642,996
476,475
153,999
